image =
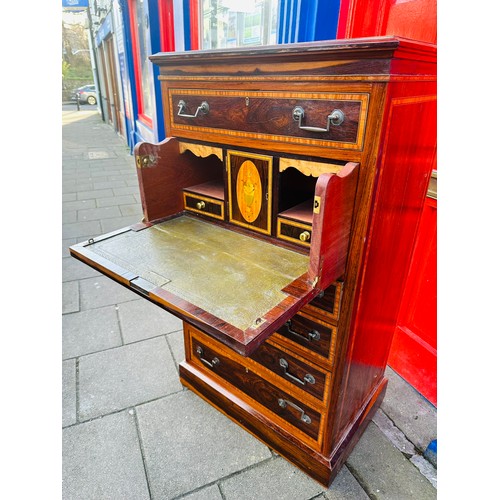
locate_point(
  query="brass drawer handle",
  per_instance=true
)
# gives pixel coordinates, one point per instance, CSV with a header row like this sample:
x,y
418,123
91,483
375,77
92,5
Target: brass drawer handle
x,y
308,378
210,364
305,236
303,416
311,335
200,205
336,117
203,107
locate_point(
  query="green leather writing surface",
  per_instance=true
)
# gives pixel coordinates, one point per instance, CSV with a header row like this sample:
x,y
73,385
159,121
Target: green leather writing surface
x,y
232,276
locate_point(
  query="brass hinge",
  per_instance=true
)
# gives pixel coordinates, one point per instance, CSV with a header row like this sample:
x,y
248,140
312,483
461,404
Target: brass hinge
x,y
144,161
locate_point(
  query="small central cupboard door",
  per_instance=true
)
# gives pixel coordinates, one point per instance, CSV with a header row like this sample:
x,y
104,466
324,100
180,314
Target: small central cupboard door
x,y
250,190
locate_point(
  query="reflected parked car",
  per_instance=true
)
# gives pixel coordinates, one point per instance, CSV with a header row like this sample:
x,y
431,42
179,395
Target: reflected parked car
x,y
87,94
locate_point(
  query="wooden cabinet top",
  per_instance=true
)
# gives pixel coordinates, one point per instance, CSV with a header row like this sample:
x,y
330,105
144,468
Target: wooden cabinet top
x,y
380,56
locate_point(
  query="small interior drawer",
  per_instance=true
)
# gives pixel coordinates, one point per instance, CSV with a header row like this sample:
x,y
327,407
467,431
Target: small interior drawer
x,y
295,232
295,224
203,205
280,403
206,199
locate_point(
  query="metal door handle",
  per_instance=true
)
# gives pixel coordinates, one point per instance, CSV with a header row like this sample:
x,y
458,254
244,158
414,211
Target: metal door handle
x,y
203,107
308,378
305,418
311,335
210,364
336,117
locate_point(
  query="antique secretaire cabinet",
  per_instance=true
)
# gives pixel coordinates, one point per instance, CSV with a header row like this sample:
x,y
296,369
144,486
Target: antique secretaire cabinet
x,y
279,215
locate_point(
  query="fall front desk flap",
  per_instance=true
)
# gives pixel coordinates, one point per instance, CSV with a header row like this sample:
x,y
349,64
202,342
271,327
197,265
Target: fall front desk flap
x,y
238,288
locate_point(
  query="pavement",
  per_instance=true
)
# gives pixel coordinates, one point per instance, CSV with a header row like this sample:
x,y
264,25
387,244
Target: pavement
x,y
129,429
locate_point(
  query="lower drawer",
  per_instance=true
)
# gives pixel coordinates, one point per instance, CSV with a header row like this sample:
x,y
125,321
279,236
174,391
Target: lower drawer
x,y
291,369
327,304
309,337
277,402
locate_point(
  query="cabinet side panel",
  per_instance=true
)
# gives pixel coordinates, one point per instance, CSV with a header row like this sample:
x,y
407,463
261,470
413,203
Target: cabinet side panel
x,y
407,157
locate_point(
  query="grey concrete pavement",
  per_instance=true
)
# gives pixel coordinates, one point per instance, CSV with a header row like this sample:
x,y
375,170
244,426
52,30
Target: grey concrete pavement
x,y
130,430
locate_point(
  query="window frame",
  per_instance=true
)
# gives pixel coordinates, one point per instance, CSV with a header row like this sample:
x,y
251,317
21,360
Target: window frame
x,y
137,63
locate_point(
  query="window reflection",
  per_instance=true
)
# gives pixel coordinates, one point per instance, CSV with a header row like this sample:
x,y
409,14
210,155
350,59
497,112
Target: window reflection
x,y
235,23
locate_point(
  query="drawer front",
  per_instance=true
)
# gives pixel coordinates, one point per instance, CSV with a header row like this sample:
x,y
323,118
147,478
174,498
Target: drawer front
x,y
277,401
317,338
203,205
295,232
327,304
329,119
293,370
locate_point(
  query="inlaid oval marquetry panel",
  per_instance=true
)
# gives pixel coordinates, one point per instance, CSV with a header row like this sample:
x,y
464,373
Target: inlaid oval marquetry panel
x,y
249,191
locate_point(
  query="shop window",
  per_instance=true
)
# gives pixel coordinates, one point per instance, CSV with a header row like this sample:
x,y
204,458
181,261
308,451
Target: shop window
x,y
235,23
141,41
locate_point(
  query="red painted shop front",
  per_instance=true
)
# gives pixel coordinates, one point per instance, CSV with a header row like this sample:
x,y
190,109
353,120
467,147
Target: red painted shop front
x,y
413,353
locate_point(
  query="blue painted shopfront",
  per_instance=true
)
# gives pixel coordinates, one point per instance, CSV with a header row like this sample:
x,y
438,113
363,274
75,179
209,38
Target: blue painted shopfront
x,y
166,25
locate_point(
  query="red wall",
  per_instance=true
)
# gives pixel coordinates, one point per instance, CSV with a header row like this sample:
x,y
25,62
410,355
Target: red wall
x,y
413,353
415,19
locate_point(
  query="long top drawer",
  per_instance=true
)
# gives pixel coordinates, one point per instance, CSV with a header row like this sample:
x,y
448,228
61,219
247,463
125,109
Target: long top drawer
x,y
324,119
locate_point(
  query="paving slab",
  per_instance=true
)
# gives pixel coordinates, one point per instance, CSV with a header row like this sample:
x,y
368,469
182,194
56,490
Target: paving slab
x,y
101,174
391,432
105,184
345,487
208,493
135,209
410,411
99,213
275,479
68,197
94,194
113,224
176,342
126,199
69,217
70,297
188,444
78,205
65,246
78,229
140,319
103,291
90,331
126,190
130,178
384,472
68,392
102,460
73,269
119,378
68,186
83,185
